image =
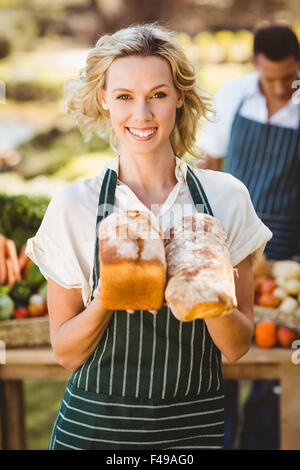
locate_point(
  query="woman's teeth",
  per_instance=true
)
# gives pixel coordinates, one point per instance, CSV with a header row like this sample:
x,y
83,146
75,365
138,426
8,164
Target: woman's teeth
x,y
141,133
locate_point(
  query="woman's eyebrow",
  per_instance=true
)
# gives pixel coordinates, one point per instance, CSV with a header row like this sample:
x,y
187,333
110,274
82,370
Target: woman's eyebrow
x,y
154,88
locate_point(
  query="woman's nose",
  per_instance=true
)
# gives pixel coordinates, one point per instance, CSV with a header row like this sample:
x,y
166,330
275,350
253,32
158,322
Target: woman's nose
x,y
142,110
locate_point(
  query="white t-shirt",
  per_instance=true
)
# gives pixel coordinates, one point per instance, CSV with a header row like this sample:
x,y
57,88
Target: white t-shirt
x,y
214,137
63,246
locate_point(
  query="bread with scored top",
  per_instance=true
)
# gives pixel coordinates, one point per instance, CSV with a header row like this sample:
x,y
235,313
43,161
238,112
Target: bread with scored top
x,y
200,279
132,261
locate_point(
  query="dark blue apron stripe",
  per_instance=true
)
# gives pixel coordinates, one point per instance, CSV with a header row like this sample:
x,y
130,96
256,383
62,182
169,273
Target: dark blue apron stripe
x,y
268,175
291,173
266,167
278,165
243,164
231,164
252,163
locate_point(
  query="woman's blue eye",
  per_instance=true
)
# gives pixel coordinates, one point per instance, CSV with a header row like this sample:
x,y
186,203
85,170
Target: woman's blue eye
x,y
125,97
161,93
122,96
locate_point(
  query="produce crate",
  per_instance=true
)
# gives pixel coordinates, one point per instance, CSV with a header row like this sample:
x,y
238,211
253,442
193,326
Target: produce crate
x,y
27,332
292,320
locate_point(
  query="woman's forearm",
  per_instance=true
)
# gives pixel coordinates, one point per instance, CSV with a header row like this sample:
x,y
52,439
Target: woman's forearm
x,y
231,333
76,339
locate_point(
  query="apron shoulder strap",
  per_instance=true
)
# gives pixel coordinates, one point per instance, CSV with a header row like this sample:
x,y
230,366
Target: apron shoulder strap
x,y
107,195
105,207
197,191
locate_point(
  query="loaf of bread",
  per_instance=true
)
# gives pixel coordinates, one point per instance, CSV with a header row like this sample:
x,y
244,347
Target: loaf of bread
x,y
132,261
200,279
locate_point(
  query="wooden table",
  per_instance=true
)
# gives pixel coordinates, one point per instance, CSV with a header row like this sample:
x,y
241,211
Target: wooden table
x,y
40,364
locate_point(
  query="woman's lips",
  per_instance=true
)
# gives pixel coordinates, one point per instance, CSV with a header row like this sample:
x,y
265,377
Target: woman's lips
x,y
142,137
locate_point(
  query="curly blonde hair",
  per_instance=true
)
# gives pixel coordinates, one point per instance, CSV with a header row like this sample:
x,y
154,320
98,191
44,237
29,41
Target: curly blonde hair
x,y
82,94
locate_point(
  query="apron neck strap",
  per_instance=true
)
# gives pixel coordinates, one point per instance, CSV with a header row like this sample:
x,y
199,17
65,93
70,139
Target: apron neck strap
x,y
197,192
105,207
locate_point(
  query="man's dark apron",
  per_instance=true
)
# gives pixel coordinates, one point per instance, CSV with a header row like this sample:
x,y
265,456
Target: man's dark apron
x,y
153,382
266,158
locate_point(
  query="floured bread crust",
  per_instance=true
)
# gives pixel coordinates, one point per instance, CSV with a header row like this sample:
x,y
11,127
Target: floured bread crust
x,y
132,261
200,276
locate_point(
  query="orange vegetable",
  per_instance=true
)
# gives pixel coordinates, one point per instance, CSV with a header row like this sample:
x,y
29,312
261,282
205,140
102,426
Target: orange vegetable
x,y
10,272
13,257
3,267
36,305
265,334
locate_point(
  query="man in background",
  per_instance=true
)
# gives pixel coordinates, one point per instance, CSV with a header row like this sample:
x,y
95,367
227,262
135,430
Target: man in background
x,y
256,137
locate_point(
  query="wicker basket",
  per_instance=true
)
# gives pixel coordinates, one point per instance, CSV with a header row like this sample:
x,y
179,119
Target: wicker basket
x,y
27,332
291,320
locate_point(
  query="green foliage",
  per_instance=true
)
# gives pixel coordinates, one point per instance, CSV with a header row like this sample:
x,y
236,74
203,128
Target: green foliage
x,y
42,400
21,216
48,152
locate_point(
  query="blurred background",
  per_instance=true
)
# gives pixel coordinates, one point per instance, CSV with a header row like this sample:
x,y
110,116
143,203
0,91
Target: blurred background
x,y
42,44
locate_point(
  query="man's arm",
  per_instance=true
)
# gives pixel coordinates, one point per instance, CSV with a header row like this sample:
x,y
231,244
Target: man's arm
x,y
211,163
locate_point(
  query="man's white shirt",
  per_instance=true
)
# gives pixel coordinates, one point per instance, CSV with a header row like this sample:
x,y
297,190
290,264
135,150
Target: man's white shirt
x,y
215,135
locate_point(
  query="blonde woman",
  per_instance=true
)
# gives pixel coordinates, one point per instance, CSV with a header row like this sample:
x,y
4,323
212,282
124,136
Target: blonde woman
x,y
141,379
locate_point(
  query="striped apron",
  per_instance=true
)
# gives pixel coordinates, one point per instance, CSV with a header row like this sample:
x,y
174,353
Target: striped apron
x,y
153,382
266,158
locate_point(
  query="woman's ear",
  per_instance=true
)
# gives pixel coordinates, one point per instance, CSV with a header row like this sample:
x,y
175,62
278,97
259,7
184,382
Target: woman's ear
x,y
102,99
180,99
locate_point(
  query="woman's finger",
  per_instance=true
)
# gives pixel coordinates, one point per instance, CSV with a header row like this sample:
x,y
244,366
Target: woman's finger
x,y
154,312
130,311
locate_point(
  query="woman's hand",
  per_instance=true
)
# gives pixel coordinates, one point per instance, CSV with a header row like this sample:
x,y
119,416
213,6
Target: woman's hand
x,y
154,312
233,333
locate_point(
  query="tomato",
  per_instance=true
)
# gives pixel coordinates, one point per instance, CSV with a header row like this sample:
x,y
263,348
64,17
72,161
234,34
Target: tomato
x,y
286,336
20,313
269,300
268,286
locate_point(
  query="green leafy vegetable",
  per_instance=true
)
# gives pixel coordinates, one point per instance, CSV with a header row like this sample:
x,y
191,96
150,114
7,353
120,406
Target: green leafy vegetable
x,y
21,291
21,216
6,307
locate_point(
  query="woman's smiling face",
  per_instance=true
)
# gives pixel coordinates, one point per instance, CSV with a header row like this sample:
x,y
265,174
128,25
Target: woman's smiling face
x,y
142,100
